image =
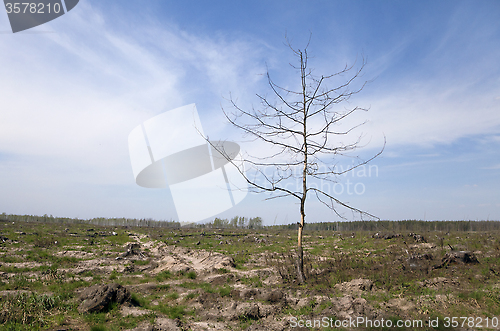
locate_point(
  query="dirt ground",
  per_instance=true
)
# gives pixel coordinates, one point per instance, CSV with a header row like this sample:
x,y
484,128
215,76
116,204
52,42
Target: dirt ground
x,y
53,276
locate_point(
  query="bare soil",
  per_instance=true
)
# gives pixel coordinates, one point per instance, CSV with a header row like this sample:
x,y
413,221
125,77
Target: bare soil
x,y
195,279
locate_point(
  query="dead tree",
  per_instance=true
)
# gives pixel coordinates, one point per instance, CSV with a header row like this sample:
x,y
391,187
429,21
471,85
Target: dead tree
x,y
302,127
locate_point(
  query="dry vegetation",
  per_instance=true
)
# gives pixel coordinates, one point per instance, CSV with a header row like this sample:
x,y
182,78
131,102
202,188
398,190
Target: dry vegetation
x,y
233,279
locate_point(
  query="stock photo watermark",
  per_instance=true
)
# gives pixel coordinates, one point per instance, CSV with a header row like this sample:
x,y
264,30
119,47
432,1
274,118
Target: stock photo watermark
x,y
351,180
24,15
350,183
363,322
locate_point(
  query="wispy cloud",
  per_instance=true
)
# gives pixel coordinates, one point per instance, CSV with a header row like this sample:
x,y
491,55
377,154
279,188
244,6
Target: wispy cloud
x,y
70,99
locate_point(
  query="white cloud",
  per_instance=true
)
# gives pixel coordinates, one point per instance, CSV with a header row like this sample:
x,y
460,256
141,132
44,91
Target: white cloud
x,y
90,84
70,99
433,113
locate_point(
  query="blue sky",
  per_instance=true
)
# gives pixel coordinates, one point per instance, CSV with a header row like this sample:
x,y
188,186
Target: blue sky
x,y
72,90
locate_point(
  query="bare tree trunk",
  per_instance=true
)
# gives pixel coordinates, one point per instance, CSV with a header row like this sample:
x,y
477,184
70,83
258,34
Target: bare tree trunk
x,y
300,254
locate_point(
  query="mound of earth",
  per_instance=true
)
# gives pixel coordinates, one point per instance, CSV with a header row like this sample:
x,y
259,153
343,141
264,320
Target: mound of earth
x,y
177,259
355,286
99,298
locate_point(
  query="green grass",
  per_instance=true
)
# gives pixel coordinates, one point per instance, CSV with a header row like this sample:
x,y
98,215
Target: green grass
x,y
174,312
252,281
137,300
349,258
10,259
207,287
225,291
67,290
172,296
28,309
96,319
114,275
162,287
162,276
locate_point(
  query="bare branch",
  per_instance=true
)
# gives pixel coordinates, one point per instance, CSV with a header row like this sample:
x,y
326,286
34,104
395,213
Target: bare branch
x,y
301,125
337,201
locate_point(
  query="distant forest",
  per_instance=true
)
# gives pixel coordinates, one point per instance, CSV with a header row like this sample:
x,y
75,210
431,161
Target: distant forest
x,y
94,221
256,223
398,226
